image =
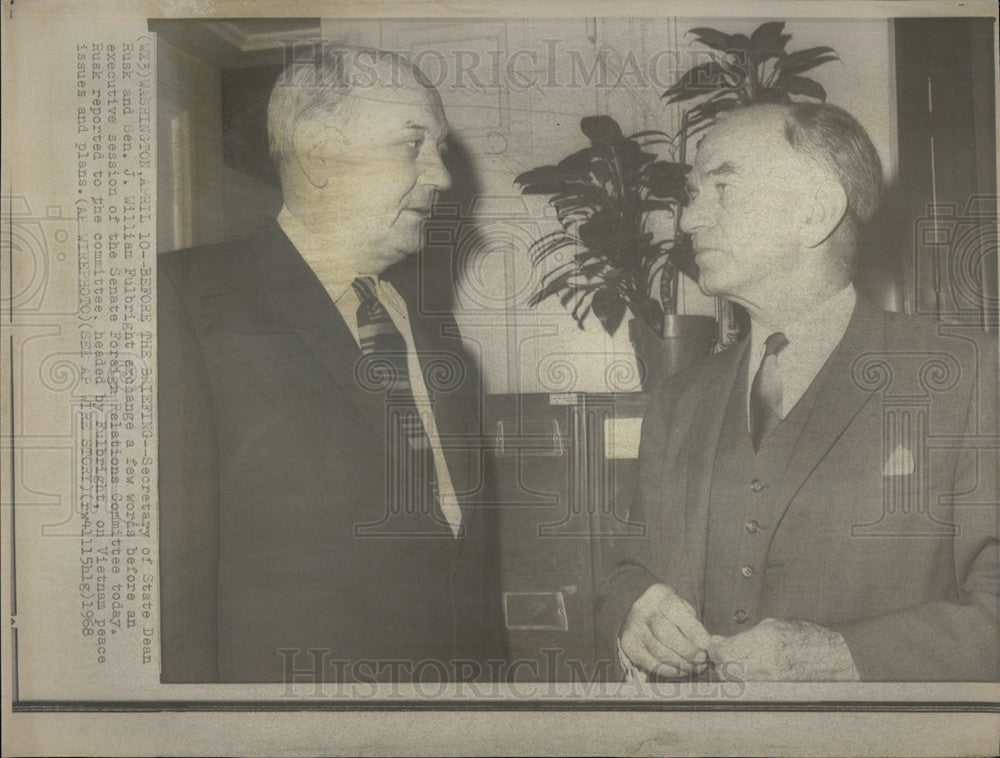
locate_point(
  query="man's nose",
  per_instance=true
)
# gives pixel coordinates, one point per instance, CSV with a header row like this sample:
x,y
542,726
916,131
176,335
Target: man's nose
x,y
692,217
436,173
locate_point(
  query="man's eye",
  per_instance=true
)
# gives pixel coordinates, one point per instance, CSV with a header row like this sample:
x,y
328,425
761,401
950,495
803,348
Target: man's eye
x,y
415,144
721,186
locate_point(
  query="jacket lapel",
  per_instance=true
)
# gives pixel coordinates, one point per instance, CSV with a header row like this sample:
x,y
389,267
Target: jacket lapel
x,y
301,304
701,443
838,401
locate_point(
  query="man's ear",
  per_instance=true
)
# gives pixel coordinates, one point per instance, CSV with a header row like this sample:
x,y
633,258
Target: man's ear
x,y
823,208
312,157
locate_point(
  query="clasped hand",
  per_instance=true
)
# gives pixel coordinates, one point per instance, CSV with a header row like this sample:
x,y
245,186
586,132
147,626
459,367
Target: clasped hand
x,y
663,636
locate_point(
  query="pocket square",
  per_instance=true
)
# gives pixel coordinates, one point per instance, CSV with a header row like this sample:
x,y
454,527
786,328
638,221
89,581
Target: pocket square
x,y
900,463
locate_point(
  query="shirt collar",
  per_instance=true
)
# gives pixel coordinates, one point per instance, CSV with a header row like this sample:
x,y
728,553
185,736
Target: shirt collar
x,y
819,331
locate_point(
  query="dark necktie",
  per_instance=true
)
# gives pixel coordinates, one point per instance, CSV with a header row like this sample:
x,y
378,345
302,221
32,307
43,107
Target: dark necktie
x,y
765,392
412,486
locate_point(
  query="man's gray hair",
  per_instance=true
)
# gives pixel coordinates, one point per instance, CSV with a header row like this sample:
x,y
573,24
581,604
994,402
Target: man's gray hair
x,y
834,137
316,82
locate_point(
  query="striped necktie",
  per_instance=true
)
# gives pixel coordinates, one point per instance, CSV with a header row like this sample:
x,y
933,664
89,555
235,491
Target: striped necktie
x,y
765,392
412,487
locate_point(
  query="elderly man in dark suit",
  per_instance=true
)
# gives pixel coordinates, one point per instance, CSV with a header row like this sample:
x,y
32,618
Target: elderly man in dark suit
x,y
820,500
319,461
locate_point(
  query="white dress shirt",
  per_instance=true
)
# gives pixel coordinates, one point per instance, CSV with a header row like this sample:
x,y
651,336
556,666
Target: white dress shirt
x,y
336,273
811,341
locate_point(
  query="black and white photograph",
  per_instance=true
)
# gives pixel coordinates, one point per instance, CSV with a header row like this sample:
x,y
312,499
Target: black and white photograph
x,y
620,381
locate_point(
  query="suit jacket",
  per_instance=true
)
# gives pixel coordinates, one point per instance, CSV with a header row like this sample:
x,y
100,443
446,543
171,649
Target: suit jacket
x,y
884,525
273,486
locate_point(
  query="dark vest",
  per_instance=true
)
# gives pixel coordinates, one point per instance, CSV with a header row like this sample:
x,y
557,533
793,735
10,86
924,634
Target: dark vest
x,y
742,512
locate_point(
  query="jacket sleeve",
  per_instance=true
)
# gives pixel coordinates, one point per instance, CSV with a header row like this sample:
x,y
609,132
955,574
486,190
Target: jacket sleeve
x,y
951,641
188,496
627,568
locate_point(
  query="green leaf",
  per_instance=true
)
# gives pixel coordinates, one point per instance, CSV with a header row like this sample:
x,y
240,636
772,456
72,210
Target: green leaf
x,y
581,310
703,78
567,296
602,130
712,38
648,205
707,111
584,194
767,41
802,68
768,33
740,42
773,95
801,85
682,255
650,311
582,166
541,252
540,181
609,307
803,60
551,287
651,133
665,179
774,51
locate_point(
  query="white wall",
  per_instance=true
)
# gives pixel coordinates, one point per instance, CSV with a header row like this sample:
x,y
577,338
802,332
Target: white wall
x,y
522,109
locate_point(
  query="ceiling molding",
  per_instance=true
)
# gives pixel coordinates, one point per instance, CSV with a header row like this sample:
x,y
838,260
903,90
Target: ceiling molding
x,y
252,36
235,43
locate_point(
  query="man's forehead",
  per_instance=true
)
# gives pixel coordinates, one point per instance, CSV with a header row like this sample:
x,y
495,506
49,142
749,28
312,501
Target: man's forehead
x,y
741,141
399,109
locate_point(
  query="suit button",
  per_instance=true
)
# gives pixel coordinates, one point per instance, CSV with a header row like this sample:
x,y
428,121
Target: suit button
x,y
756,485
747,571
752,526
741,616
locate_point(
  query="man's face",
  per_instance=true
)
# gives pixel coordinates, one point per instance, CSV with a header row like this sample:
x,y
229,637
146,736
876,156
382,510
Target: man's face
x,y
746,186
385,169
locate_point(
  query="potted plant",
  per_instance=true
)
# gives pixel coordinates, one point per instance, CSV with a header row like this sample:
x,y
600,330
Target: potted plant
x,y
604,259
743,70
618,204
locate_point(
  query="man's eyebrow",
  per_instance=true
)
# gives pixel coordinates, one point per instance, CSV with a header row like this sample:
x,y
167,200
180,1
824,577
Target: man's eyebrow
x,y
723,169
414,126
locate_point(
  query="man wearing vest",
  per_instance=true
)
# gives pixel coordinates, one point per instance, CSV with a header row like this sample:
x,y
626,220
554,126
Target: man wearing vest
x,y
321,478
820,500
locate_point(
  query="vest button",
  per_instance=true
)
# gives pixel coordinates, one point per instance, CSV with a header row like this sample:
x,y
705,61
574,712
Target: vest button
x,y
741,616
756,485
747,571
752,526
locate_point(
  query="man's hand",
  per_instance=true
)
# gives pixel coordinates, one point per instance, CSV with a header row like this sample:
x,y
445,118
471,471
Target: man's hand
x,y
784,650
662,634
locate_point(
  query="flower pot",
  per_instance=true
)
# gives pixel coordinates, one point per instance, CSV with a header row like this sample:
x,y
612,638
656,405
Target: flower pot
x,y
685,339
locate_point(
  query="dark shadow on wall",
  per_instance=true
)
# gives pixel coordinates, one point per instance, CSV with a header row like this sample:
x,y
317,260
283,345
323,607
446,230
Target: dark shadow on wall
x,y
252,188
882,252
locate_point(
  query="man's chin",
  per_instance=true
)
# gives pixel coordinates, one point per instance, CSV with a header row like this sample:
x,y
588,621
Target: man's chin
x,y
706,286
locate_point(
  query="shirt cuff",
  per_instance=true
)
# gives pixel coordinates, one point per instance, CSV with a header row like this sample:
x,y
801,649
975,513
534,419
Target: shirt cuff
x,y
632,674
